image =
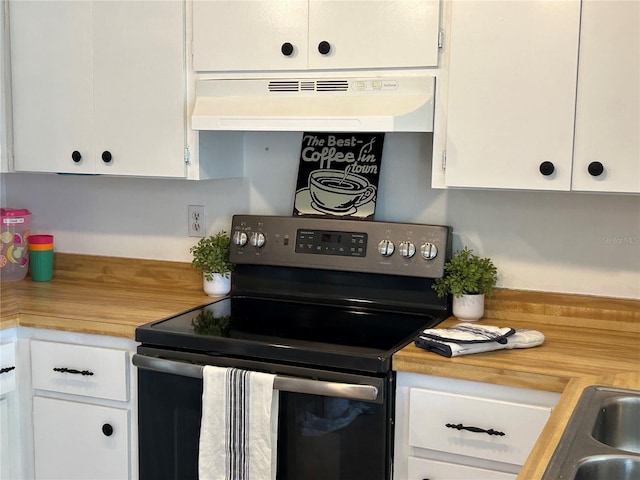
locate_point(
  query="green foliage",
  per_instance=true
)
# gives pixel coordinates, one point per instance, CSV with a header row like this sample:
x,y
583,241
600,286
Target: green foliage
x,y
467,274
211,255
206,323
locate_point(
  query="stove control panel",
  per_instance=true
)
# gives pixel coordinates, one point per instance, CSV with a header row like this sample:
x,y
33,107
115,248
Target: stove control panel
x,y
350,245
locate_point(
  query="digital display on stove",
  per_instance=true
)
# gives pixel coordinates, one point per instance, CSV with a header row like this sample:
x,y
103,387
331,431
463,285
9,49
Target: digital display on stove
x,y
331,238
323,242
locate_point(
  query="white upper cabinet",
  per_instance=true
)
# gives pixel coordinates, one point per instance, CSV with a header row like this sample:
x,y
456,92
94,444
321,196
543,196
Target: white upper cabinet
x,y
5,95
607,138
271,35
511,94
540,95
99,87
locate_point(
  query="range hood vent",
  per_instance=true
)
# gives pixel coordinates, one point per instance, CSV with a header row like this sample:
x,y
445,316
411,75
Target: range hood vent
x,y
308,85
372,104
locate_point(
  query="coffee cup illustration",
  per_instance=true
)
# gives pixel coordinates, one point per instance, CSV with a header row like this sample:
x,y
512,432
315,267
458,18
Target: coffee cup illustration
x,y
338,191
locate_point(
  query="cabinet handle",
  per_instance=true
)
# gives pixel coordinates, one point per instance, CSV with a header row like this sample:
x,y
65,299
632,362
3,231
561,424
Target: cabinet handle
x,y
547,168
73,371
595,169
75,156
491,431
107,430
324,47
6,369
106,156
286,49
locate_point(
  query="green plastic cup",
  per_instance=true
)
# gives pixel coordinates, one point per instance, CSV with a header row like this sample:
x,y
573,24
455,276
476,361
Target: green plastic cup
x,y
41,264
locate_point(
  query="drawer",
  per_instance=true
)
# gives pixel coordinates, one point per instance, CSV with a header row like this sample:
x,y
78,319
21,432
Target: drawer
x,y
422,468
508,430
80,370
8,368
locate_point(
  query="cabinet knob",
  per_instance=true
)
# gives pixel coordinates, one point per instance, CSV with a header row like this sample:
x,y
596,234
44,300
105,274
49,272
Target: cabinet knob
x,y
106,156
107,430
547,168
595,169
286,49
7,369
324,47
75,156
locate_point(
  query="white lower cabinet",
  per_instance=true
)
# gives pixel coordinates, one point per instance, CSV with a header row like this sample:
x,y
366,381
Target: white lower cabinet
x,y
78,441
5,440
450,429
422,468
10,431
84,407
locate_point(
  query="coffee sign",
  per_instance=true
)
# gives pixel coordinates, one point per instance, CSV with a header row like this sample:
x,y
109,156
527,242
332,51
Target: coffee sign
x,y
338,175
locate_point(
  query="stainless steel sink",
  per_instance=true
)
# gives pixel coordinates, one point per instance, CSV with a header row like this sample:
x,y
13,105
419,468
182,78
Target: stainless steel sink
x,y
602,438
618,423
608,467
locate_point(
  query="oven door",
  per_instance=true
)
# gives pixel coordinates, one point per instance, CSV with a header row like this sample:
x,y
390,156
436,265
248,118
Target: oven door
x,y
331,425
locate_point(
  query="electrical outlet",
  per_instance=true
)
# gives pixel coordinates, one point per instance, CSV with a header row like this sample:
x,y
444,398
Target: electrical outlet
x,y
196,221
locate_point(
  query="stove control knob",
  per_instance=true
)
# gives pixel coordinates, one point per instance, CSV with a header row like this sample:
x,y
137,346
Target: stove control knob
x,y
240,238
407,249
428,251
257,239
386,248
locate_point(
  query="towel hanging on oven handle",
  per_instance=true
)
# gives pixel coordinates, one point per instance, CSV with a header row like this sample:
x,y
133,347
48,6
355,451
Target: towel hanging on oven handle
x,y
281,382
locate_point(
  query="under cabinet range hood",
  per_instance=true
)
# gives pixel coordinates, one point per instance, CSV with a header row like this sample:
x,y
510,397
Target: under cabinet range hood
x,y
338,104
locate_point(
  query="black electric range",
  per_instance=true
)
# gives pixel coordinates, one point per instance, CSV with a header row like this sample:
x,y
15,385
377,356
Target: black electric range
x,y
343,294
322,304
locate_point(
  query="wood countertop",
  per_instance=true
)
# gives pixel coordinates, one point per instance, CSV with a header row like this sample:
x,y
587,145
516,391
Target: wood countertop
x,y
102,295
588,340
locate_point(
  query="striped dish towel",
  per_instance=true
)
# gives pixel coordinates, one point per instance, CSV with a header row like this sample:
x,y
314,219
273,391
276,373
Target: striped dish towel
x,y
239,425
466,338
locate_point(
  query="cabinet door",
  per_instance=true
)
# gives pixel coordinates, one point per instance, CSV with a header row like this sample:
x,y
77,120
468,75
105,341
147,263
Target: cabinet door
x,y
608,102
511,93
52,86
232,35
421,469
5,97
139,84
77,441
5,441
374,34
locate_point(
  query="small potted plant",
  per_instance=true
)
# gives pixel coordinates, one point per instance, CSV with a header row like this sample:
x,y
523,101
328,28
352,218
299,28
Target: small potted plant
x,y
211,258
468,278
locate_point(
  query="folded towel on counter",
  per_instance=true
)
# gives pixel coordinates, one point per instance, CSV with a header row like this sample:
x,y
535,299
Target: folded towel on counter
x,y
467,338
239,425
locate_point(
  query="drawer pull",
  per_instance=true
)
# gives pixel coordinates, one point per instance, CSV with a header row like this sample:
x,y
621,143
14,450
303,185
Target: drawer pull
x,y
7,369
491,431
73,370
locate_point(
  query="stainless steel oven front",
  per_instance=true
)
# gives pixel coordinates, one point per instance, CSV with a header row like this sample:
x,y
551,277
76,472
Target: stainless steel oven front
x,y
331,426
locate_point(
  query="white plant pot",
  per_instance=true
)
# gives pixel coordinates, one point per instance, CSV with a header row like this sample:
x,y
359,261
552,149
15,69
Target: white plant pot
x,y
468,308
219,285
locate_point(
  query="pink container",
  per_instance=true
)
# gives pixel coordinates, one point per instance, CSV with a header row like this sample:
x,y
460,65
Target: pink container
x,y
14,232
39,238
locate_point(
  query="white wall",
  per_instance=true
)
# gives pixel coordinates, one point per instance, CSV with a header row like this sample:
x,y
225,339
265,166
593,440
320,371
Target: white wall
x,y
561,242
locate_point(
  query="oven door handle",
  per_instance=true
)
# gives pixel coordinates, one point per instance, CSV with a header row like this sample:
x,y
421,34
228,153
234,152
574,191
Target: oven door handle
x,y
283,383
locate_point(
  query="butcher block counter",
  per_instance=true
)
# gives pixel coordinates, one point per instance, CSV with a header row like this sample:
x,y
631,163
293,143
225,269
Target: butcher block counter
x,y
102,295
588,340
